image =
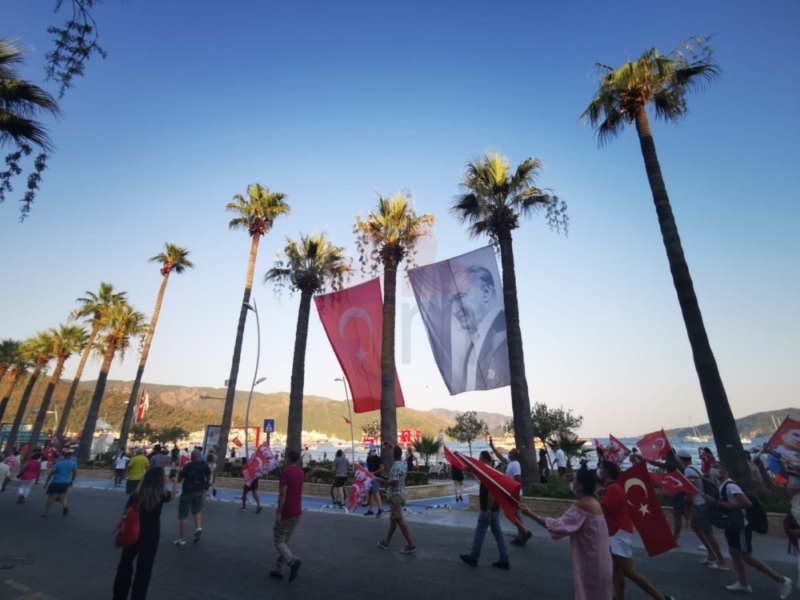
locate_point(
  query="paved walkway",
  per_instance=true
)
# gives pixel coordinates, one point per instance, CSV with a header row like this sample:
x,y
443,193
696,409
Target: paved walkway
x,y
71,558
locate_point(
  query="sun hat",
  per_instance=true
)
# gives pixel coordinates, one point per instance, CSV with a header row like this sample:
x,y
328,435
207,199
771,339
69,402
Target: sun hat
x,y
684,453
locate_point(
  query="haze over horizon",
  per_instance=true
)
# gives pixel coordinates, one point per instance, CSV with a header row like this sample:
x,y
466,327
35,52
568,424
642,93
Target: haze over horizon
x,y
328,103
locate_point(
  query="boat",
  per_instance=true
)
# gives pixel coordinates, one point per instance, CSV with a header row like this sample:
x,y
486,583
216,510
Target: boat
x,y
745,439
696,437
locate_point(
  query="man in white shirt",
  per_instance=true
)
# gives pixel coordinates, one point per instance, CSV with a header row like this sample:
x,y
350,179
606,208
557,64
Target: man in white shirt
x,y
699,522
514,470
561,461
740,539
119,467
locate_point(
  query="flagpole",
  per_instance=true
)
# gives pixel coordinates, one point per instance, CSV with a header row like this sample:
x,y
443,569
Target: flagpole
x,y
349,414
256,381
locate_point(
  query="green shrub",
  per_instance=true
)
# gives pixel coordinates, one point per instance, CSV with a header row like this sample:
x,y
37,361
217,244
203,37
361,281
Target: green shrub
x,y
319,475
553,489
416,478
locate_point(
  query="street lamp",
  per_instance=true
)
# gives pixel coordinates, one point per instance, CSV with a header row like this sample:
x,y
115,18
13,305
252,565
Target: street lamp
x,y
350,414
256,380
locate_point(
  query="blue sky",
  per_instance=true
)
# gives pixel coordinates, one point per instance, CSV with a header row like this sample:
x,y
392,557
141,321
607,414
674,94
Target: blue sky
x,y
329,102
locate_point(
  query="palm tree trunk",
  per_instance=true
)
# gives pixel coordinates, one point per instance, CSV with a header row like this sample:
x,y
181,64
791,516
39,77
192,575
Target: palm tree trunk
x,y
294,430
128,414
388,400
520,402
48,396
227,411
720,416
62,424
15,377
3,371
85,446
23,406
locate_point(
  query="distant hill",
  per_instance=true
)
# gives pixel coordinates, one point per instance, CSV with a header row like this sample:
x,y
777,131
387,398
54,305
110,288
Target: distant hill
x,y
495,421
755,425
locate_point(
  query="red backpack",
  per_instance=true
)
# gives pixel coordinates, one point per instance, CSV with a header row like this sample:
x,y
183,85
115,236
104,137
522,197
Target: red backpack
x,y
128,527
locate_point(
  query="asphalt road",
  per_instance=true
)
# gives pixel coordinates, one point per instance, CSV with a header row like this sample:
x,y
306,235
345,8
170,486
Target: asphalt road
x,y
73,557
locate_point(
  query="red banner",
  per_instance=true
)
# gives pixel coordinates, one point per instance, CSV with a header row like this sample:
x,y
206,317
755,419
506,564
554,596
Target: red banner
x,y
260,463
237,442
453,459
654,446
504,489
674,482
362,481
601,449
353,322
616,451
645,511
785,442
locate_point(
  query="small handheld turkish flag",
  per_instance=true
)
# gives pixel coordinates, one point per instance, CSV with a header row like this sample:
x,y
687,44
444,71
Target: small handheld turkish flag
x,y
674,483
616,451
645,511
654,445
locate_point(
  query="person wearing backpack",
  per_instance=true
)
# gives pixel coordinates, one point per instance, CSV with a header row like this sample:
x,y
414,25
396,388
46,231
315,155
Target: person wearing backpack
x,y
740,536
150,497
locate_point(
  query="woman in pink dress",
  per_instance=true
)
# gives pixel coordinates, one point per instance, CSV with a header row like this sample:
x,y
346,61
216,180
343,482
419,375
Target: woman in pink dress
x,y
585,525
30,472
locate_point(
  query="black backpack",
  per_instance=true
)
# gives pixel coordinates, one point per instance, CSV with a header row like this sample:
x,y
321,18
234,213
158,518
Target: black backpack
x,y
725,518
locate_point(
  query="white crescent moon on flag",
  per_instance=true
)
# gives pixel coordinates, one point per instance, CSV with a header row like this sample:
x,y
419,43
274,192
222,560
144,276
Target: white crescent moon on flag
x,y
674,480
635,483
352,313
659,444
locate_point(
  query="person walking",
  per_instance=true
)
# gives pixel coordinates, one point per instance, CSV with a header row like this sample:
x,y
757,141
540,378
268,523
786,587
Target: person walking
x,y
137,467
488,518
397,500
211,459
340,468
457,475
585,525
58,482
149,498
620,536
670,464
287,515
194,477
30,472
253,489
514,470
119,467
374,466
544,467
740,537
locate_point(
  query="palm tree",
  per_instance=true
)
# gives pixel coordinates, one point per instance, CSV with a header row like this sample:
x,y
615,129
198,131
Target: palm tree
x,y
67,340
174,258
662,82
386,237
20,102
121,322
9,353
572,445
308,266
427,447
18,369
92,309
38,351
492,201
256,213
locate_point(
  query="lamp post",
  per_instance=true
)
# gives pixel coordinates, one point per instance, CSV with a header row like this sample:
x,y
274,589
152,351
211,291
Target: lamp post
x,y
256,380
350,414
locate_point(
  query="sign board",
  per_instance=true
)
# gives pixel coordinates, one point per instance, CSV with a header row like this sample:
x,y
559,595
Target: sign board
x,y
269,425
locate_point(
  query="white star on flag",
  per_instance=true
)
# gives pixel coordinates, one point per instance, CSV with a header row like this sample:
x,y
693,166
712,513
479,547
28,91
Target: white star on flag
x,y
644,510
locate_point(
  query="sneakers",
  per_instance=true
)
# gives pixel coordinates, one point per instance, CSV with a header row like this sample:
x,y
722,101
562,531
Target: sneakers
x,y
258,510
739,588
197,535
276,575
528,535
517,542
180,542
506,566
369,513
469,559
295,566
411,549
383,545
785,588
65,511
243,508
380,512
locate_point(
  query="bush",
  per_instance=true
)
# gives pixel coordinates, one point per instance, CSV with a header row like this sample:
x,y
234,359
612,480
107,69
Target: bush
x,y
416,478
319,475
554,489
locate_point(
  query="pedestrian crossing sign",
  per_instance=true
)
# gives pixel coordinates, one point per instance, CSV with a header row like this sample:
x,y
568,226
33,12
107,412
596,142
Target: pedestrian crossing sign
x,y
269,425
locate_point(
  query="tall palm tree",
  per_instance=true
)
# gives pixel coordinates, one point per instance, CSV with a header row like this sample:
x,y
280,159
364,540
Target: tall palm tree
x,y
308,266
39,351
173,259
492,201
121,323
9,352
661,82
18,369
67,340
20,102
91,309
386,237
256,214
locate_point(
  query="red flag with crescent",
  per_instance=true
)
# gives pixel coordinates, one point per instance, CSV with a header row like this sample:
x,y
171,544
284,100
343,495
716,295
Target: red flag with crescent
x,y
654,446
453,459
616,451
674,482
645,511
504,489
353,322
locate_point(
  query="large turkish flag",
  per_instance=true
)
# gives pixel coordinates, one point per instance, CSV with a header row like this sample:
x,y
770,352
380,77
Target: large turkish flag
x,y
654,446
353,321
504,489
645,511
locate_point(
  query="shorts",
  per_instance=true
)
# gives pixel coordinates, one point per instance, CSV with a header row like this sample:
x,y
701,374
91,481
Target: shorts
x,y
252,487
375,486
339,482
621,544
679,503
57,489
397,503
132,485
457,475
740,539
187,502
699,518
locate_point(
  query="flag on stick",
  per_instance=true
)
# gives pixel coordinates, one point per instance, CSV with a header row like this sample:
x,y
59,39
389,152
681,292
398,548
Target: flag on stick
x,y
362,481
504,489
616,451
260,463
645,511
453,459
674,483
346,420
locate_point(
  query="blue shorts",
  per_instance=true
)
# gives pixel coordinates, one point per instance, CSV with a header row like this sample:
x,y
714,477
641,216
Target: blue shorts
x,y
375,486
